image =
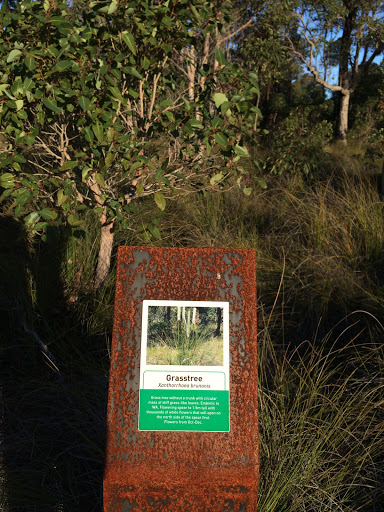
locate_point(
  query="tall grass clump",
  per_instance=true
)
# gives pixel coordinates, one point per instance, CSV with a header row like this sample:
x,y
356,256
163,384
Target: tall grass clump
x,y
321,422
327,236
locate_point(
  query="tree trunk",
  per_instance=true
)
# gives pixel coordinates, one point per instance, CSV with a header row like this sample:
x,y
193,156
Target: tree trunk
x,y
191,70
188,323
105,252
219,317
344,75
204,61
205,57
215,68
342,122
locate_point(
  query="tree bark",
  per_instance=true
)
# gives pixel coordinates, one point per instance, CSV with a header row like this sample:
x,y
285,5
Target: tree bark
x,y
219,317
191,70
105,252
342,121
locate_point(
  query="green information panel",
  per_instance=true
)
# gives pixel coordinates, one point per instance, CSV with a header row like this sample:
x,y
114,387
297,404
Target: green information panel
x,y
184,366
184,410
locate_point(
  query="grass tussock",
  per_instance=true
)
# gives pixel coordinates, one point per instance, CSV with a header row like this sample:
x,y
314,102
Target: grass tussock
x,y
327,238
321,426
320,255
208,352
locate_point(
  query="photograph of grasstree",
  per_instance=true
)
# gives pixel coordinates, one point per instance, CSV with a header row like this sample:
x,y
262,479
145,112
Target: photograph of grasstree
x,y
186,336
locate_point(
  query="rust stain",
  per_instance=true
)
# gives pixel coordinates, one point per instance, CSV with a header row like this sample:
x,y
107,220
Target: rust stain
x,y
149,471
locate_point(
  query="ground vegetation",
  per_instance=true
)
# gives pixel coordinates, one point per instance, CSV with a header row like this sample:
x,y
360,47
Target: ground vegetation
x,y
193,124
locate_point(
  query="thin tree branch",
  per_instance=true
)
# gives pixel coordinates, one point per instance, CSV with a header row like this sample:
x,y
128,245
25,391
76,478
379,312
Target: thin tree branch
x,y
240,29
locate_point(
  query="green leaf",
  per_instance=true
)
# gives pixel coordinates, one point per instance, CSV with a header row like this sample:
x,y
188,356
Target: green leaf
x,y
160,200
220,57
262,183
61,198
28,84
129,41
180,176
69,165
5,160
7,180
32,218
219,98
84,103
216,178
21,114
166,103
5,194
109,159
217,121
41,225
84,172
63,26
133,71
13,55
225,108
19,104
73,221
155,232
98,131
247,191
195,12
254,79
99,178
257,111
3,87
51,104
22,196
146,63
19,158
196,124
241,151
30,62
89,137
8,94
61,66
113,7
48,214
221,139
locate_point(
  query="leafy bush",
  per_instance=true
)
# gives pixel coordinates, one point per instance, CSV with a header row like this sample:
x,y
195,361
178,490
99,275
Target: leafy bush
x,y
297,145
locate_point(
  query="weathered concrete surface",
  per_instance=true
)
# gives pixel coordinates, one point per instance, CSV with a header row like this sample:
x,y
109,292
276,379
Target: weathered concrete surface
x,y
147,471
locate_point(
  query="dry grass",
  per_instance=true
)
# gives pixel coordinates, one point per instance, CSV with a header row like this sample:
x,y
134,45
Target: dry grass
x,y
320,249
207,353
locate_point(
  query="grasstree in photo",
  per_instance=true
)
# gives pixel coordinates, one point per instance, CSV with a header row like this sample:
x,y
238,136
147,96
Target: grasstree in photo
x,y
96,112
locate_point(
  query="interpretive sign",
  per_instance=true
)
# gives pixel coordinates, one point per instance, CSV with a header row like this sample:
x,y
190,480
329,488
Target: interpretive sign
x,y
184,366
182,430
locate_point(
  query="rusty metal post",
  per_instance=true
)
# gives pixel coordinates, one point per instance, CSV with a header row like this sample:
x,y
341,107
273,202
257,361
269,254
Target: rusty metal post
x,y
184,470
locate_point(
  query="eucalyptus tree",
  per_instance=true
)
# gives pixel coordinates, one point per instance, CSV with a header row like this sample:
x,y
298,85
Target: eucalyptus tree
x,y
94,113
350,33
